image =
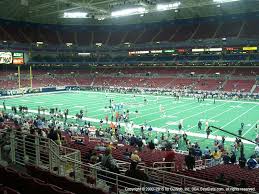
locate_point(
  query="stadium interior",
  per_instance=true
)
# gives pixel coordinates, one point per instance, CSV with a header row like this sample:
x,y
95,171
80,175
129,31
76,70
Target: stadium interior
x,y
129,96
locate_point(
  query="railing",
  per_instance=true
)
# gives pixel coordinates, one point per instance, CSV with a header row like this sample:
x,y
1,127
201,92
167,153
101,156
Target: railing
x,y
42,152
164,165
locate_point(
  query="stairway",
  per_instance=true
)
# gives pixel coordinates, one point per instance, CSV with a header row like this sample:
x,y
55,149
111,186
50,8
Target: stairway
x,y
253,88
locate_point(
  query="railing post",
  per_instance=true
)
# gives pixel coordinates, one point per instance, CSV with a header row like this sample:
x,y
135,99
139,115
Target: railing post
x,y
12,137
23,148
163,182
117,184
50,156
37,150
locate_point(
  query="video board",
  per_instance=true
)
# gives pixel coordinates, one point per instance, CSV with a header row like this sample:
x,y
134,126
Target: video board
x,y
6,58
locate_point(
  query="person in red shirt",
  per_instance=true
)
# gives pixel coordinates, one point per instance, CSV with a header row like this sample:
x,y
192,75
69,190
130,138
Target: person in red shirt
x,y
170,157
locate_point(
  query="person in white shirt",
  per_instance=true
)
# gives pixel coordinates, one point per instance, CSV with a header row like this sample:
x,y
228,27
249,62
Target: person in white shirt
x,y
144,142
156,141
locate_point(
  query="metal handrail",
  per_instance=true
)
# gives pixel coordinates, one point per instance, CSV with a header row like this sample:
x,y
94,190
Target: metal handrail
x,y
160,177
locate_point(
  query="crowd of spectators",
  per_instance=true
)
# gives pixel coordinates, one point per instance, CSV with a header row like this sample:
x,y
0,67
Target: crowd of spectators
x,y
38,125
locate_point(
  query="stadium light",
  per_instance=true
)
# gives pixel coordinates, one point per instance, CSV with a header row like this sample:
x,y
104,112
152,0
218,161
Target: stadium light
x,y
128,12
164,7
224,1
75,15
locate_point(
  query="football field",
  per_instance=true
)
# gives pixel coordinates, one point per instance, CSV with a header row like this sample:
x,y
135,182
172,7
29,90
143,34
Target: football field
x,y
225,114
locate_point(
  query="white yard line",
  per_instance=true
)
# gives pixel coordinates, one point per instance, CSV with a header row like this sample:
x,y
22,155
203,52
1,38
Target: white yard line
x,y
144,115
236,118
250,128
199,113
211,118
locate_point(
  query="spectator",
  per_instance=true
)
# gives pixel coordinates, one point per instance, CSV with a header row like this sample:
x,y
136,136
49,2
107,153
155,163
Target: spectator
x,y
216,155
190,161
169,146
242,161
156,141
170,157
191,149
144,141
136,173
109,162
135,157
226,158
88,155
151,145
132,140
207,154
198,153
233,158
140,144
251,162
94,158
127,154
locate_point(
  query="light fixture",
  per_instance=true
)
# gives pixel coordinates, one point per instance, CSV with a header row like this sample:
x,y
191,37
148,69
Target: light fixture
x,y
75,15
164,7
224,1
128,12
68,44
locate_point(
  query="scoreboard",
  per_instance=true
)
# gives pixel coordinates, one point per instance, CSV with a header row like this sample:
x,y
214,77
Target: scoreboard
x,y
6,58
16,58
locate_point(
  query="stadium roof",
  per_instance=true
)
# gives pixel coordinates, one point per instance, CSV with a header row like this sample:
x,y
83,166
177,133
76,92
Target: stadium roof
x,y
99,11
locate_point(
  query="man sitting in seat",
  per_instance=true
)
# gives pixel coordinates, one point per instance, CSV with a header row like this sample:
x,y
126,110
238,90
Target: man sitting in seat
x,y
136,173
135,157
251,162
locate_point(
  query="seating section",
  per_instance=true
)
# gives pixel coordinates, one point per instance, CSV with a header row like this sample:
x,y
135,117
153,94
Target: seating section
x,y
63,182
17,182
147,156
40,181
157,77
239,85
229,29
206,30
229,171
156,32
250,29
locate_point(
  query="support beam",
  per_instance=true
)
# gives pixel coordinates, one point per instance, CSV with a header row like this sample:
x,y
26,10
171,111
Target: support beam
x,y
19,77
31,76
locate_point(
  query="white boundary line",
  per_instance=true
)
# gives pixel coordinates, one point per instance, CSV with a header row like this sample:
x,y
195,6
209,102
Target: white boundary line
x,y
236,118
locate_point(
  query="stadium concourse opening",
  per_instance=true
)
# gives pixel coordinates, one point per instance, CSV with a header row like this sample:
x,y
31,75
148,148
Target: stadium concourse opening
x,y
136,96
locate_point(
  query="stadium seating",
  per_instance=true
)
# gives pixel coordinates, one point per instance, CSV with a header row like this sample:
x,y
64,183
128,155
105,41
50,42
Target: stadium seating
x,y
157,32
147,156
250,29
230,171
239,85
155,77
17,182
206,30
63,182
